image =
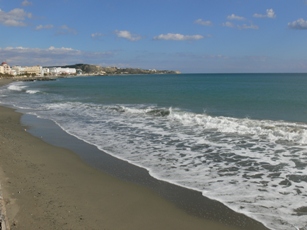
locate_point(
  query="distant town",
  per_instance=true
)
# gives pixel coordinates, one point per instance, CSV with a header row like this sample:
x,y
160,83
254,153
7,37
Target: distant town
x,y
72,70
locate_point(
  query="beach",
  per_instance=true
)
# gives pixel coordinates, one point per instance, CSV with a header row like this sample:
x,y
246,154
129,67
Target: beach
x,y
49,187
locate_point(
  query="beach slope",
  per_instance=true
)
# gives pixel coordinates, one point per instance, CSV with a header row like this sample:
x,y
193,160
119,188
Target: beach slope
x,y
47,187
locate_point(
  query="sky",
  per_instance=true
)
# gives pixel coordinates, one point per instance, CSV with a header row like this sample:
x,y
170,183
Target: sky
x,y
191,36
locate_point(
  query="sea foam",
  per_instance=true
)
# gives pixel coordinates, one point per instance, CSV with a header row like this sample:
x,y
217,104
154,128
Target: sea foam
x,y
32,91
16,87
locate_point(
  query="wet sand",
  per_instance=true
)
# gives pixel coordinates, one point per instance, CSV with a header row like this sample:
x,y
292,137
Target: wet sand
x,y
50,187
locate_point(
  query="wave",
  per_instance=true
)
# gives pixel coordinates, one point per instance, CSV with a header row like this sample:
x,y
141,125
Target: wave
x,y
32,91
273,130
20,87
153,111
16,87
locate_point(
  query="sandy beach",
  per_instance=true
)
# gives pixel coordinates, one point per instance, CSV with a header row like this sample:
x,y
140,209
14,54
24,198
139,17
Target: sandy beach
x,y
50,187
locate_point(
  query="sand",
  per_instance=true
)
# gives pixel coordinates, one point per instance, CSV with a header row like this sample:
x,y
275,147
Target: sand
x,y
50,187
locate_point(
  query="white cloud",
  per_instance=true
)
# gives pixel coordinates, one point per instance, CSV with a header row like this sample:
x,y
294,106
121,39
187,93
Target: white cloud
x,y
15,17
259,15
127,35
41,27
269,14
235,17
96,35
64,29
299,24
251,26
228,24
178,37
26,3
50,56
203,23
240,27
54,49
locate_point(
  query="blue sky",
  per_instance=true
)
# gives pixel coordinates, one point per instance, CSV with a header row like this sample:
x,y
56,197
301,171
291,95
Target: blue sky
x,y
202,36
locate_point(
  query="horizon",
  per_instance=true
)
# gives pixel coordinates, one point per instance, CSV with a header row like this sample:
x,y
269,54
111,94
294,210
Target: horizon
x,y
198,36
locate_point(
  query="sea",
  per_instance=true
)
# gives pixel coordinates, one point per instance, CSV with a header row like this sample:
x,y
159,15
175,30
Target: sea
x,y
240,139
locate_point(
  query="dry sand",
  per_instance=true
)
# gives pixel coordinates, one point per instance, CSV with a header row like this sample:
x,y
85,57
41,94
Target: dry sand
x,y
48,187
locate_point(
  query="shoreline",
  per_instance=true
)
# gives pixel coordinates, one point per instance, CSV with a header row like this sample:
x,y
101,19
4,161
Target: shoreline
x,y
50,175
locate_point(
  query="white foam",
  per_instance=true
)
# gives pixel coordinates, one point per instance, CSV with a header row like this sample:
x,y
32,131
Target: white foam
x,y
274,130
16,87
32,91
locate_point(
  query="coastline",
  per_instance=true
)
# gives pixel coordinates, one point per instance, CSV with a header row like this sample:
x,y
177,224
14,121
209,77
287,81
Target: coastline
x,y
50,187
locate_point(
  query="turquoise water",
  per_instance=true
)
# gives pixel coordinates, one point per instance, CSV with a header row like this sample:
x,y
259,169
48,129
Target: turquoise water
x,y
214,133
258,96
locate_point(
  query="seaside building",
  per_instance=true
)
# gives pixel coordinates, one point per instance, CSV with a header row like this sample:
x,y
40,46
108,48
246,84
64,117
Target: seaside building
x,y
6,69
13,72
63,71
19,70
35,70
46,71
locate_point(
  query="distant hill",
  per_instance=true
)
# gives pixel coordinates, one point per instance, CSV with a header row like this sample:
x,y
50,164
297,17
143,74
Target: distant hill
x,y
99,70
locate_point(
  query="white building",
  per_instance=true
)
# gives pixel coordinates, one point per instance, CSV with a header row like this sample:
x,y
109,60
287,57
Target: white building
x,y
6,69
46,71
35,70
63,71
19,70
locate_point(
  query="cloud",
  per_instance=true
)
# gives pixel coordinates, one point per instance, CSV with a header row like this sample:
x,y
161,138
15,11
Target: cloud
x,y
178,37
127,35
251,26
41,27
50,56
15,17
235,17
64,30
26,3
228,24
96,35
269,14
299,24
240,27
203,23
54,49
